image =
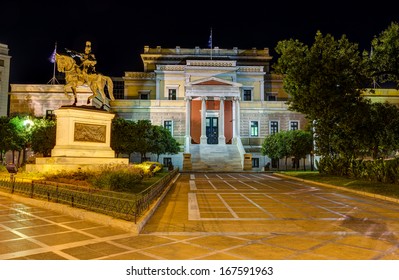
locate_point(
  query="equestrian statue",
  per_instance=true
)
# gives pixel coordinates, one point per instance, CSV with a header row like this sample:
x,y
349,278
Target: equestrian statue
x,y
83,73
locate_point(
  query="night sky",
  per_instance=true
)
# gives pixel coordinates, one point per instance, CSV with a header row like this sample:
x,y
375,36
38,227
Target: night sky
x,y
119,30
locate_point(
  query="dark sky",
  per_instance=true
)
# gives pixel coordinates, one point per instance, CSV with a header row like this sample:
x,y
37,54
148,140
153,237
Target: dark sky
x,y
120,29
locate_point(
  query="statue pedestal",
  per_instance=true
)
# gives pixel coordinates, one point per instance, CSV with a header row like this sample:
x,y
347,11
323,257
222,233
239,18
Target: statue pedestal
x,y
83,140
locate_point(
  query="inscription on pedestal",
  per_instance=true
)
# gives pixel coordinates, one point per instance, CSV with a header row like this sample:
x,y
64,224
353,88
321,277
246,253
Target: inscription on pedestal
x,y
90,133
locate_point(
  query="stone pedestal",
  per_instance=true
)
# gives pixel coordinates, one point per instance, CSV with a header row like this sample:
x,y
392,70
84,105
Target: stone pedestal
x,y
83,132
83,140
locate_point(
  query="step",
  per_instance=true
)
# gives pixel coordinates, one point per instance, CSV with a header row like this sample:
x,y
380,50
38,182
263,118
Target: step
x,y
215,158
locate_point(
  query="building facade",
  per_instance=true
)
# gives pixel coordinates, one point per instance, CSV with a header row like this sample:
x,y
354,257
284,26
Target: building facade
x,y
4,79
219,104
209,97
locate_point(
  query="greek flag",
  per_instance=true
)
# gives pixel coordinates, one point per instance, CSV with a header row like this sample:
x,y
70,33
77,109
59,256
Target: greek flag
x,y
52,57
210,40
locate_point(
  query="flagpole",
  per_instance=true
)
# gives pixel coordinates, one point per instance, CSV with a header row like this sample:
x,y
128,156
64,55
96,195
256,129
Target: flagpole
x,y
54,80
210,43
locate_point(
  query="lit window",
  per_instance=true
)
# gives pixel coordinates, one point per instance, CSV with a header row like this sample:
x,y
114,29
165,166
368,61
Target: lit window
x,y
273,127
294,125
254,128
168,125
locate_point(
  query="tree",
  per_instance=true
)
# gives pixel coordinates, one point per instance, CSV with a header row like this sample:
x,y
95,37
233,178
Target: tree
x,y
300,144
384,57
121,132
324,82
285,144
378,130
43,136
22,127
163,142
7,136
143,136
271,147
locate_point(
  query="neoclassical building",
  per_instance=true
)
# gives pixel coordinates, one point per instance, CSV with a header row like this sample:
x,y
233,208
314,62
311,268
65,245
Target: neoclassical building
x,y
219,104
4,78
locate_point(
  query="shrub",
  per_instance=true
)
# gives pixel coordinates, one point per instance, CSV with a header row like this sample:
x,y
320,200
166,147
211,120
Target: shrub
x,y
117,177
78,178
146,167
379,170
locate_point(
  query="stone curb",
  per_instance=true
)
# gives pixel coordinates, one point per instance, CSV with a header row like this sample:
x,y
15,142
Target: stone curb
x,y
144,219
94,217
373,195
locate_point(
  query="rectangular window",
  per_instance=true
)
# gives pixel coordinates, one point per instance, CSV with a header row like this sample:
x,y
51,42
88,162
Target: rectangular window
x,y
271,96
254,129
294,125
169,126
247,95
50,115
172,94
255,162
273,127
144,94
119,88
167,161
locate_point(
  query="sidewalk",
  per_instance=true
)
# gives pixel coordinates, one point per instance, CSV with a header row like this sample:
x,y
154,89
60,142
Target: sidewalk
x,y
225,216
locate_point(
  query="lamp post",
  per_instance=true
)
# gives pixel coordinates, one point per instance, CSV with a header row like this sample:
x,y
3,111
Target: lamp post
x,y
12,169
28,124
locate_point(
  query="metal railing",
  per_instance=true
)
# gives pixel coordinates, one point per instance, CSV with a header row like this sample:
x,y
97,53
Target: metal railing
x,y
150,194
116,204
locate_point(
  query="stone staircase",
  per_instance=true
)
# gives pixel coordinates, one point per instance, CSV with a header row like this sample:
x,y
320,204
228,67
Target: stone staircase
x,y
222,158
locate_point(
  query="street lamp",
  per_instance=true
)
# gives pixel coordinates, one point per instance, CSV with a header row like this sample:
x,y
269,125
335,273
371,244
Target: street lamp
x,y
12,169
28,124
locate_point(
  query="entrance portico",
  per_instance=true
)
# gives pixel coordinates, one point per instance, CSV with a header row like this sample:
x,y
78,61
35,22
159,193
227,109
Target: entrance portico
x,y
212,111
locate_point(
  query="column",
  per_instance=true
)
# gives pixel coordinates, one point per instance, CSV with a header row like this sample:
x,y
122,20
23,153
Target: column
x,y
188,129
234,119
157,89
262,90
238,116
222,138
203,121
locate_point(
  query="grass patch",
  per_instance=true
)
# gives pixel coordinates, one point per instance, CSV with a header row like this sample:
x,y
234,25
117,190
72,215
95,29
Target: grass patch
x,y
390,190
132,178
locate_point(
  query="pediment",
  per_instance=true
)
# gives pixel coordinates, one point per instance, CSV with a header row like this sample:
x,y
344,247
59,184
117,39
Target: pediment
x,y
213,81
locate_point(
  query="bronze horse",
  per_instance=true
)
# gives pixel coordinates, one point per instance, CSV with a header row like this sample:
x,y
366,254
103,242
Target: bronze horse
x,y
75,77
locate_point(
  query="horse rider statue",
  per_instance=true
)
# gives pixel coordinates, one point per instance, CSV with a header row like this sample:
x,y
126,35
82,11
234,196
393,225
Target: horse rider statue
x,y
79,69
87,61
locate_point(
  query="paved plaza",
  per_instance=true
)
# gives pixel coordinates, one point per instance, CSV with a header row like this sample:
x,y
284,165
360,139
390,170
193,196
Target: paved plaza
x,y
216,216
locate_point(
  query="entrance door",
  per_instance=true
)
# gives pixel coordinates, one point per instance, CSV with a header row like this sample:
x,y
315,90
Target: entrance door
x,y
212,130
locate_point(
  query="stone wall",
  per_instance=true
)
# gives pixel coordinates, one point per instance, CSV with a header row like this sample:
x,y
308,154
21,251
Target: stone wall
x,y
37,99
